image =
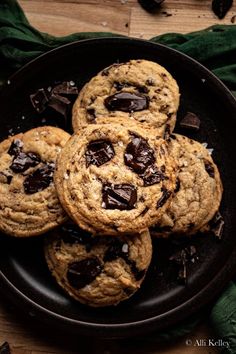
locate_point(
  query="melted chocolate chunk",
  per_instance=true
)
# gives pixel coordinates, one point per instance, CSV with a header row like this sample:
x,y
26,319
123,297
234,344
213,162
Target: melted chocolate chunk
x,y
91,114
72,234
165,196
221,7
39,179
5,348
82,273
209,168
138,154
40,99
127,102
99,152
152,176
23,161
15,148
190,121
119,196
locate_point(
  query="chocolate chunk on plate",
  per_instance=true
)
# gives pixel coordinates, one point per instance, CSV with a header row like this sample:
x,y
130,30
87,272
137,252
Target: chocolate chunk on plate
x,y
190,121
150,5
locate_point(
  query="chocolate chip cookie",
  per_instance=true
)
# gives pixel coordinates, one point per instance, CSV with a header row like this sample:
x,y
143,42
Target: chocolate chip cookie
x,y
138,90
98,271
112,179
28,200
198,190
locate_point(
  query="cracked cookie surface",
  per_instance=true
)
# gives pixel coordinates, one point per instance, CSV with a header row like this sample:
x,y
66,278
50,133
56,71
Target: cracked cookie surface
x,y
138,90
198,189
29,204
98,271
112,180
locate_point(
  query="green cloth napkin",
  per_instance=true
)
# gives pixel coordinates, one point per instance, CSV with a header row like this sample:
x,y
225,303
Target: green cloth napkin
x,y
214,47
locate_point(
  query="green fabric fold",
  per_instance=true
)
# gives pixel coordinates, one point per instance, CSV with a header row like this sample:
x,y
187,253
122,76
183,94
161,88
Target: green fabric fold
x,y
214,47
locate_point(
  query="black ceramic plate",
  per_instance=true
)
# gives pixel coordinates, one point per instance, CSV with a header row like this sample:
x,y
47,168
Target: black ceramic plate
x,y
161,301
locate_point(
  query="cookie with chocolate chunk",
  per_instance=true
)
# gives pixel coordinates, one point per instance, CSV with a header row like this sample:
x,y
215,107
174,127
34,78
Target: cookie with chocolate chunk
x,y
98,271
198,189
112,179
29,204
139,90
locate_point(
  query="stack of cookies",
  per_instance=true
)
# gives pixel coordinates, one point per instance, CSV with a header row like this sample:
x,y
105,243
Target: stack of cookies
x,y
121,175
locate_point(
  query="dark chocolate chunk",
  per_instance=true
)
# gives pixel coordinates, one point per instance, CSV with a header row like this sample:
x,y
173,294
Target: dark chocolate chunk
x,y
15,148
72,234
150,5
138,154
60,104
182,258
83,272
40,99
177,185
6,177
209,168
5,348
119,196
127,102
39,179
99,152
23,161
105,72
145,210
91,114
67,89
217,225
221,7
165,196
190,121
116,249
152,176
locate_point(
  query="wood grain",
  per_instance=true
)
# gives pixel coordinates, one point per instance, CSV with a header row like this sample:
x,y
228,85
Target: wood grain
x,y
62,17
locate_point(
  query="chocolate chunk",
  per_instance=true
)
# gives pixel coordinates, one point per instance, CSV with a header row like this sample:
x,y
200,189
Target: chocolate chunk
x,y
152,176
60,104
116,249
105,72
145,210
83,272
165,196
23,161
66,89
221,7
217,225
16,147
177,185
91,114
209,168
150,5
190,121
119,196
99,152
39,179
40,99
5,348
181,259
72,234
138,154
5,177
127,102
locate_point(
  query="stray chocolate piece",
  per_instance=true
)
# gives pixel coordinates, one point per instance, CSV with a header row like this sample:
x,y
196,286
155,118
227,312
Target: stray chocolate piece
x,y
138,154
82,273
209,168
5,348
190,121
39,179
127,102
60,104
67,89
182,258
150,5
40,99
119,196
16,147
99,152
217,225
221,7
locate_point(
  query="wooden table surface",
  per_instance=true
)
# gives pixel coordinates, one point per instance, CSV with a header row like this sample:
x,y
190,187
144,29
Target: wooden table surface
x,y
63,17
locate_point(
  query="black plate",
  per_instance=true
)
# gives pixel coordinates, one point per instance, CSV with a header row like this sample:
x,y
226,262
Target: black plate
x,y
161,301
